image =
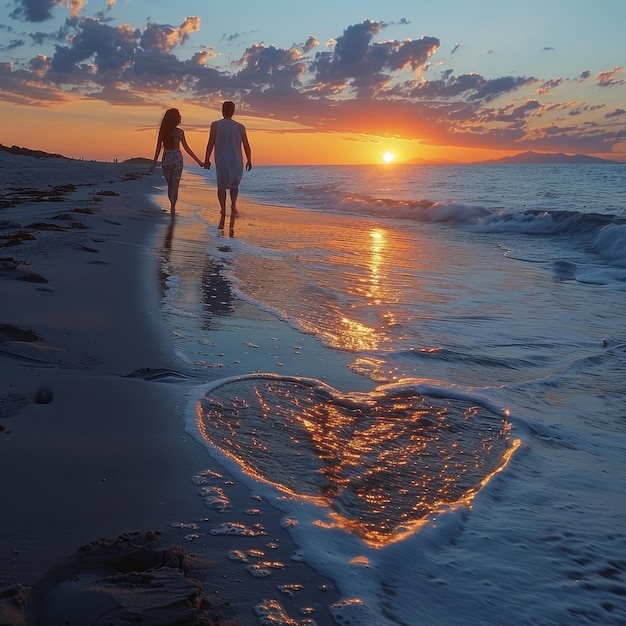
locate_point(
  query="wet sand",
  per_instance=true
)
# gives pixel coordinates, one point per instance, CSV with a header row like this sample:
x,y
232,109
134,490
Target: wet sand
x,y
102,517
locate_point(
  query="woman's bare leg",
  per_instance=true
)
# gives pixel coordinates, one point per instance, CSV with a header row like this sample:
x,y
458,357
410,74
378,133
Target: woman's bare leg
x,y
172,194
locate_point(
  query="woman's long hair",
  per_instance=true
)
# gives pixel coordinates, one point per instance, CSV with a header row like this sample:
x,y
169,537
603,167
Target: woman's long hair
x,y
170,121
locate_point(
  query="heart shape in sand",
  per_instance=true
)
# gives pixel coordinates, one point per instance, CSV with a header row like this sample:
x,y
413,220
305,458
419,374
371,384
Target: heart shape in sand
x,y
382,461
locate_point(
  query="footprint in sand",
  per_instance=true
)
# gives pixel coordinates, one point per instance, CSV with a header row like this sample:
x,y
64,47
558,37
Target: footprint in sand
x,y
81,246
10,268
8,332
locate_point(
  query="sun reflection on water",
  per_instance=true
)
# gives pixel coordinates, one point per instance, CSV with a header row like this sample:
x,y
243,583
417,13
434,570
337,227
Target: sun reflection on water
x,y
377,256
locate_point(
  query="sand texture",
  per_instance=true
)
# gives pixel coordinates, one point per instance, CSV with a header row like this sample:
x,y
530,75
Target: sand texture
x,y
98,490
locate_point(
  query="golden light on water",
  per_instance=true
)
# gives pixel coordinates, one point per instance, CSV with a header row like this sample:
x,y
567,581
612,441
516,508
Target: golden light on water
x,y
376,260
352,334
356,336
381,465
377,538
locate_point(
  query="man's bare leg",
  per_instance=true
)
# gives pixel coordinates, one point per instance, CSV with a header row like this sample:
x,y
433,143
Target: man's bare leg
x,y
234,194
221,196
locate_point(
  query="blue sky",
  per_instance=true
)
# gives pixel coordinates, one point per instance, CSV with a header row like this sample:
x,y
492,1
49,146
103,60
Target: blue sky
x,y
542,75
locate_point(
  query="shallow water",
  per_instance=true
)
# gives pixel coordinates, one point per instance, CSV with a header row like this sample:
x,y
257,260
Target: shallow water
x,y
474,471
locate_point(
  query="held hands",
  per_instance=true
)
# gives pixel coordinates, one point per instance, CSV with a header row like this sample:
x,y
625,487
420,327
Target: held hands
x,y
207,165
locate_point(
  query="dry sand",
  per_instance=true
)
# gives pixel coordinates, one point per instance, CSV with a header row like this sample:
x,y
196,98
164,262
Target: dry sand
x,y
100,516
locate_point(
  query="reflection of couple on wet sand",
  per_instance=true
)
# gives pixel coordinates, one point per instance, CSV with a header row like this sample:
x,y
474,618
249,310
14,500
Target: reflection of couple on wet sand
x,y
226,140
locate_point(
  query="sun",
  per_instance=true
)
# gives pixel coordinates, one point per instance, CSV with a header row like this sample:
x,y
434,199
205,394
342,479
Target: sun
x,y
388,157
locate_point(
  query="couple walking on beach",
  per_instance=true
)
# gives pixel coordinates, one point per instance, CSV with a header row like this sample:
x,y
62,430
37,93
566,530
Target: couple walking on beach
x,y
226,139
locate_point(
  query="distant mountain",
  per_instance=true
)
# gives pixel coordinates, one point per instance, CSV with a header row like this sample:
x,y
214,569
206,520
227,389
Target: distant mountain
x,y
38,154
138,161
542,157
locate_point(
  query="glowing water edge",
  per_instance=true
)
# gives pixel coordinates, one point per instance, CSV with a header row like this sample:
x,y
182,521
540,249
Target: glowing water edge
x,y
422,370
381,462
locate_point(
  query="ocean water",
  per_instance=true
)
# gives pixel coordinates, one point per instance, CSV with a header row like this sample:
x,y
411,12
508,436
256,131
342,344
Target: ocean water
x,y
460,457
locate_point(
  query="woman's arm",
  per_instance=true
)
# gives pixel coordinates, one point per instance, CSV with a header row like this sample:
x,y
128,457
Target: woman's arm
x,y
156,153
188,150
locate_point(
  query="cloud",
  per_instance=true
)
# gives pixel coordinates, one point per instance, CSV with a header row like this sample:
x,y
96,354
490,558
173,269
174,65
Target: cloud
x,y
270,68
99,53
75,7
517,113
204,56
34,10
615,113
164,38
101,15
15,43
359,82
580,109
41,10
310,43
358,63
608,77
469,87
106,48
499,86
113,95
20,87
190,25
39,65
39,38
479,88
549,85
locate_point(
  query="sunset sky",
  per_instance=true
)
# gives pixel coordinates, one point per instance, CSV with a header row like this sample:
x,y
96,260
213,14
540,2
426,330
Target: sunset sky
x,y
325,82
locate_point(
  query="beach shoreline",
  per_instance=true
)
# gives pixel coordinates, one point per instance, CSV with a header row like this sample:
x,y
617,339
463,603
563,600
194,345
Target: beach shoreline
x,y
92,412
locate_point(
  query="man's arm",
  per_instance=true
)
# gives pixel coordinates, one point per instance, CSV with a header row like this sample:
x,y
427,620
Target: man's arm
x,y
246,147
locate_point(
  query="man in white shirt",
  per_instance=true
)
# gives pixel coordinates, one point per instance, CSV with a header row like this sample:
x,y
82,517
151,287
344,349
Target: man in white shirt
x,y
227,138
